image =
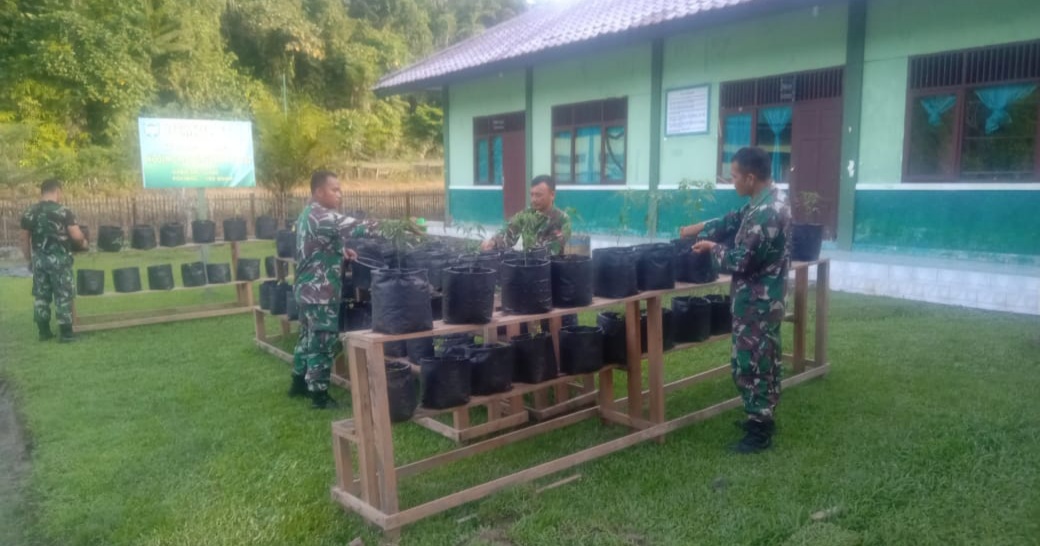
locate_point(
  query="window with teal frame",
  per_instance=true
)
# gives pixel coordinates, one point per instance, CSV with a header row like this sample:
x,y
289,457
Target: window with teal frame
x,y
589,142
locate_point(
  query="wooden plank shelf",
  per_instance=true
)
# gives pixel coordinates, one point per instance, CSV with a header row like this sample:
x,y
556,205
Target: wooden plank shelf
x,y
499,318
243,303
174,289
519,389
372,489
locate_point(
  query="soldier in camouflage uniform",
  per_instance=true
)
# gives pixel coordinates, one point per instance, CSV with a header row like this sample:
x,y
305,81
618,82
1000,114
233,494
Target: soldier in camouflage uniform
x,y
321,237
51,234
553,233
758,262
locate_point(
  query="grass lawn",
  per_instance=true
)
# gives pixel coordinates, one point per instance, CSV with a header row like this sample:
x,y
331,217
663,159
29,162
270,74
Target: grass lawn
x,y
924,433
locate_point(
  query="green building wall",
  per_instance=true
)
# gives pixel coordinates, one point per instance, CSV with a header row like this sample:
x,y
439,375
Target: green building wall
x,y
990,221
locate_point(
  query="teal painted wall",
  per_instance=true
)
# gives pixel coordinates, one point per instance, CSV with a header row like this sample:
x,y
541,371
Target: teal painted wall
x,y
496,95
599,210
789,42
898,29
979,222
483,206
621,72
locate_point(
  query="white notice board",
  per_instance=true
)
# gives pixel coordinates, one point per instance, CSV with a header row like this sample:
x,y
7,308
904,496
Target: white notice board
x,y
686,110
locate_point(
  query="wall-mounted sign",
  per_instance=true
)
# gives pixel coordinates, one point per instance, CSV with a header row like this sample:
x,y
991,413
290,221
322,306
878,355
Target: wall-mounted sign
x,y
686,111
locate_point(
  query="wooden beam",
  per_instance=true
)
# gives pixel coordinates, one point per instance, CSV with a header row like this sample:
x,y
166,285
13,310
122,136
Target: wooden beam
x,y
448,502
359,506
442,459
492,427
563,407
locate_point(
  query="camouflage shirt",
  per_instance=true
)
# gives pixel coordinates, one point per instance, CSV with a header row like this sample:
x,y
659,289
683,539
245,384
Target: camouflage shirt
x,y
553,233
321,236
760,256
48,225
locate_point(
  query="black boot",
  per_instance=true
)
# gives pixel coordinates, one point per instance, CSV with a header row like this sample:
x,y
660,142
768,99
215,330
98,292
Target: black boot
x,y
66,334
322,400
45,330
298,388
758,437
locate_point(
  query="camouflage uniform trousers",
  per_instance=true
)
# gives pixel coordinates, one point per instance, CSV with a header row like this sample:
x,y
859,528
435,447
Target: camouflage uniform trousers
x,y
52,281
318,344
756,363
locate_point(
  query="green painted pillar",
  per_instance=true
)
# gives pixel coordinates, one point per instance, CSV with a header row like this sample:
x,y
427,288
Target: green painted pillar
x,y
445,132
656,80
853,109
529,130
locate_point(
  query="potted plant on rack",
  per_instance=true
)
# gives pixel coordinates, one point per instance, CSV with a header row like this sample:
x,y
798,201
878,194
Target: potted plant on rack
x,y
614,268
571,272
807,236
691,198
400,297
526,281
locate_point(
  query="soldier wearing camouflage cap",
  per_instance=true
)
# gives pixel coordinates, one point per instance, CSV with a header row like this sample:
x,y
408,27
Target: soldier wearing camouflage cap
x,y
51,234
321,248
758,262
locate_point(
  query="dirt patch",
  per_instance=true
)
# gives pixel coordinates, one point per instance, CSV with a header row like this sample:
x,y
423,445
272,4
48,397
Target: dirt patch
x,y
14,471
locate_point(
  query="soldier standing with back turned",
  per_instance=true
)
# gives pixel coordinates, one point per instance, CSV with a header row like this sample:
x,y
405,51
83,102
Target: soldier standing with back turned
x,y
51,234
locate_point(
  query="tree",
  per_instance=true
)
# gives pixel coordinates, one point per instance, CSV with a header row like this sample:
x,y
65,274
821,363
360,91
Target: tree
x,y
291,146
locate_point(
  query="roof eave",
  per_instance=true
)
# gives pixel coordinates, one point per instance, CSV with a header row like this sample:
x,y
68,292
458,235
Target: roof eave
x,y
624,38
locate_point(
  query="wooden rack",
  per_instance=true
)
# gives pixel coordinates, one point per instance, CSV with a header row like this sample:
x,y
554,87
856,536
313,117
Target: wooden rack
x,y
242,303
372,491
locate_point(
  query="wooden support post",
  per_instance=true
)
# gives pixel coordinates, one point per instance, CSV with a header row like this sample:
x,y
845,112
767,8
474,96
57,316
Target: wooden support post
x,y
801,312
606,391
655,360
635,359
823,286
555,324
384,439
344,463
359,391
258,324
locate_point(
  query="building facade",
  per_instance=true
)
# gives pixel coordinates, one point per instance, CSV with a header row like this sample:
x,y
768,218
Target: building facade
x,y
915,124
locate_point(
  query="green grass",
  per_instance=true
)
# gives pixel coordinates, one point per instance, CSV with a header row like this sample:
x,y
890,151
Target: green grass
x,y
925,432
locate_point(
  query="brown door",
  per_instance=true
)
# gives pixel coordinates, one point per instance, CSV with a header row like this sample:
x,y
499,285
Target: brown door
x,y
816,159
514,172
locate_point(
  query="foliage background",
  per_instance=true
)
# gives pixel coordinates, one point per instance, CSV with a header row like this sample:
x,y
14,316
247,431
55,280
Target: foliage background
x,y
77,74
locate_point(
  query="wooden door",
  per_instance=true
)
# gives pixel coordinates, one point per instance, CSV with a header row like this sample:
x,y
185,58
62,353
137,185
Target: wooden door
x,y
816,159
514,172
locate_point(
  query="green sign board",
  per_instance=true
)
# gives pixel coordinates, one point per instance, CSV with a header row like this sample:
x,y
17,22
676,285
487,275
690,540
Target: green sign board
x,y
196,153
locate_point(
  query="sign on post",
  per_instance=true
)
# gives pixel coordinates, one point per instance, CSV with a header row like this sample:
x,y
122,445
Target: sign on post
x,y
196,153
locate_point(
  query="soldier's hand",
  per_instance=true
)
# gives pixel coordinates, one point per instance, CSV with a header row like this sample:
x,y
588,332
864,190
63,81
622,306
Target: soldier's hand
x,y
703,246
694,230
350,254
487,245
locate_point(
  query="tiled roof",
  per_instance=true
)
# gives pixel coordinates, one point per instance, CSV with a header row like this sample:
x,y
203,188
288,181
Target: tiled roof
x,y
552,25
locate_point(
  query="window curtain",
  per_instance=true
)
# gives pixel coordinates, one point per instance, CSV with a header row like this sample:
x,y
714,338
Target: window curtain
x,y
615,154
562,156
587,147
937,106
738,135
482,160
496,154
998,99
778,119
